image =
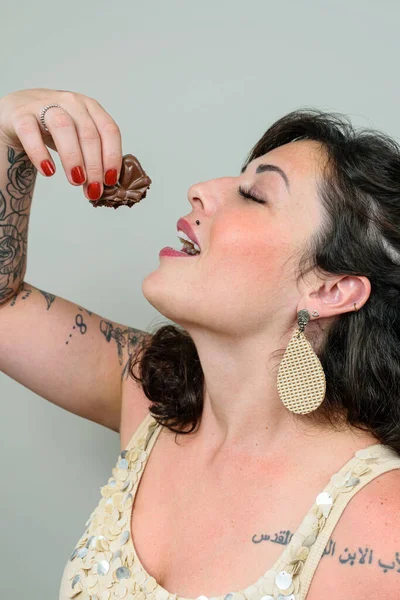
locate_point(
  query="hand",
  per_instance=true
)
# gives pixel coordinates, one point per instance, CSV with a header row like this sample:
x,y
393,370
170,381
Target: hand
x,y
86,137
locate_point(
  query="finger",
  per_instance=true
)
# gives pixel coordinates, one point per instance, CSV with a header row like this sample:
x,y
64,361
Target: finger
x,y
62,129
28,131
90,144
111,141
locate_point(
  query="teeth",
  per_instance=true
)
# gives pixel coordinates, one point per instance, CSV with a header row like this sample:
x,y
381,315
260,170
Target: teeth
x,y
183,236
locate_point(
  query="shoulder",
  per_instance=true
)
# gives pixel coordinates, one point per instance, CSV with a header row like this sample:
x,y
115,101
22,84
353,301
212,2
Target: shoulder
x,y
362,559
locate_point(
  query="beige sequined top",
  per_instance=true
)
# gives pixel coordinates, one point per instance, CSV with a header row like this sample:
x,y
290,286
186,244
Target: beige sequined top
x,y
104,564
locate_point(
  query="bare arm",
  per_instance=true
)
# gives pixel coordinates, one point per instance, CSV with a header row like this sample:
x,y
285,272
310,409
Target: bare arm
x,y
17,182
60,350
67,354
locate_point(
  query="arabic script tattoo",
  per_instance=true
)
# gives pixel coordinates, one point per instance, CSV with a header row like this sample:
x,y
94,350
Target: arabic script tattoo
x,y
350,557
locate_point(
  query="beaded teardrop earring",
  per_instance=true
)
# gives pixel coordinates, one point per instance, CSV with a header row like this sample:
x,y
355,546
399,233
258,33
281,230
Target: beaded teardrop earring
x,y
301,378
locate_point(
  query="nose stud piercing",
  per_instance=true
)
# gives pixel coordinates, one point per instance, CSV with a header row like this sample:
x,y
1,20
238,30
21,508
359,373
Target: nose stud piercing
x,y
198,222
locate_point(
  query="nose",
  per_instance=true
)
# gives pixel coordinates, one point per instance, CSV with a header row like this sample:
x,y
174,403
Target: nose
x,y
206,196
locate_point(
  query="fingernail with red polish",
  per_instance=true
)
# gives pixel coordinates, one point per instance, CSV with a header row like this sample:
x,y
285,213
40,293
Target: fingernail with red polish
x,y
48,168
111,177
93,190
77,174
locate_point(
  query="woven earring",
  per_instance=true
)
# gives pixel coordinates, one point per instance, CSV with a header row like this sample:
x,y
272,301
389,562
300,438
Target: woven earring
x,y
301,378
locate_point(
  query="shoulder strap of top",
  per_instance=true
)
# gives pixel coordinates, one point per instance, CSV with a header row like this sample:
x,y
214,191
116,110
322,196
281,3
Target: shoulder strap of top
x,y
381,460
141,432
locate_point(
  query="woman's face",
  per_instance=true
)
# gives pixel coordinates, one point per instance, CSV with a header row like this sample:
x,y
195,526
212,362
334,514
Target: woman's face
x,y
246,270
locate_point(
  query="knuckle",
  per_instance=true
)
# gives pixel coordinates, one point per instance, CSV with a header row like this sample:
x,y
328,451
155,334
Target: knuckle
x,y
36,151
67,96
60,120
24,126
112,156
72,155
93,169
94,102
111,127
88,132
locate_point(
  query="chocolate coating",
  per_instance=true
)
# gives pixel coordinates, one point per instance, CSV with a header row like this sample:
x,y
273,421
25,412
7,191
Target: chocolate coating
x,y
131,187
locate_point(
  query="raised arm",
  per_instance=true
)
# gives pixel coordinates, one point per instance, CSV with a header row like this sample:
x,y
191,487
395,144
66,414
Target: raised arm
x,y
70,356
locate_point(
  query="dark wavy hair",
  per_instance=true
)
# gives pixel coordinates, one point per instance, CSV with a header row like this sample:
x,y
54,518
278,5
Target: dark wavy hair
x,y
359,235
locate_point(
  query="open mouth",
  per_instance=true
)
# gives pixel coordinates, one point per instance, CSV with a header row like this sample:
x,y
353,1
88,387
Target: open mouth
x,y
189,247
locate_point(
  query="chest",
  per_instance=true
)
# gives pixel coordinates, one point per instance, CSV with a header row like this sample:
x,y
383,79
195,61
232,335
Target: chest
x,y
208,530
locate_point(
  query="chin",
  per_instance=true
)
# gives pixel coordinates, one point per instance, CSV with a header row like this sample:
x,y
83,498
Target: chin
x,y
165,296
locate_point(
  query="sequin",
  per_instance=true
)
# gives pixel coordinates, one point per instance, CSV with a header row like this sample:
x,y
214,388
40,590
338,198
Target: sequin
x,y
338,480
252,592
121,474
352,482
364,453
150,584
324,501
128,500
139,577
91,543
162,595
102,543
283,580
310,539
125,537
74,553
137,467
132,455
120,590
103,567
91,581
324,498
122,573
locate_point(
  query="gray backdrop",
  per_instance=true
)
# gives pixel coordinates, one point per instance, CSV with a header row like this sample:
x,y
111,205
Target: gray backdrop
x,y
192,86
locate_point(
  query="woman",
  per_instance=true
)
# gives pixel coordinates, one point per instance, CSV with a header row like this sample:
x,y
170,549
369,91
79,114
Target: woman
x,y
253,447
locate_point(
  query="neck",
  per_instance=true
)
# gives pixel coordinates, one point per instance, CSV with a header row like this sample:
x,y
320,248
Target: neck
x,y
243,411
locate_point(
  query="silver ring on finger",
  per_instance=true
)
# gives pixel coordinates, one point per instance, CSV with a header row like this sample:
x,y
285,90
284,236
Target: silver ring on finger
x,y
43,112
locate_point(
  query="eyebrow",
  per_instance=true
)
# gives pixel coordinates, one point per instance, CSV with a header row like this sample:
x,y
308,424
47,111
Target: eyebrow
x,y
274,168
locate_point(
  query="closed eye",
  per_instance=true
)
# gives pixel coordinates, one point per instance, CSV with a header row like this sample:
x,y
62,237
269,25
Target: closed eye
x,y
249,195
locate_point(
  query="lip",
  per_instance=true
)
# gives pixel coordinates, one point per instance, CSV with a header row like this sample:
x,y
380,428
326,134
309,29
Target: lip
x,y
183,225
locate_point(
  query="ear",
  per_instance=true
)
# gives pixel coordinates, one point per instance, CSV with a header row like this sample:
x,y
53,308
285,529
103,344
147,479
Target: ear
x,y
337,296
